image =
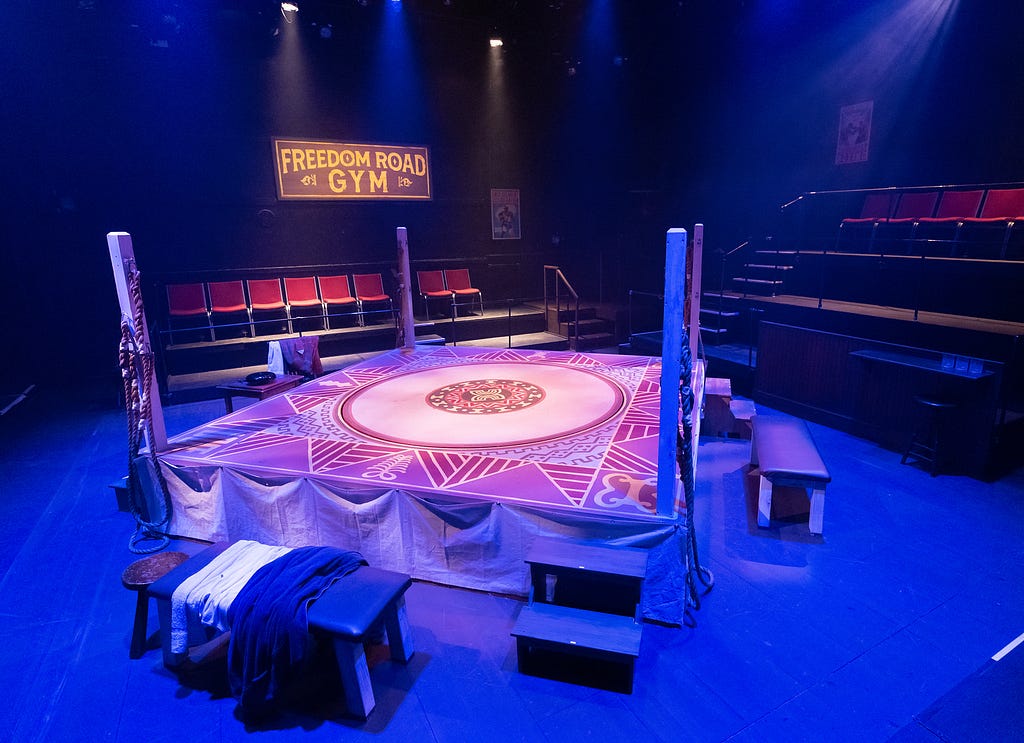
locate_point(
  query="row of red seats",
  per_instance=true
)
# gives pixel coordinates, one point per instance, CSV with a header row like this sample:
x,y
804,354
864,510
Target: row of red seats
x,y
315,299
451,285
246,302
938,222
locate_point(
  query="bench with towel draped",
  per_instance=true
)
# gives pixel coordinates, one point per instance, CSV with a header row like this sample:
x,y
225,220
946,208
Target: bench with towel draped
x,y
316,592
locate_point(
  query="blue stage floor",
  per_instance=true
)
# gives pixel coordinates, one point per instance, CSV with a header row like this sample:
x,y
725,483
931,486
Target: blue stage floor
x,y
879,628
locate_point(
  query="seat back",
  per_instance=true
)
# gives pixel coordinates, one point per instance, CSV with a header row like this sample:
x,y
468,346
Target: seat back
x,y
226,296
265,294
1004,203
457,279
877,206
301,292
335,289
958,204
430,282
186,300
916,204
368,284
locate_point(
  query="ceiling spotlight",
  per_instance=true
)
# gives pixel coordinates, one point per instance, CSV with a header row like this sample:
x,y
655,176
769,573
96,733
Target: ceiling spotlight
x,y
496,42
288,10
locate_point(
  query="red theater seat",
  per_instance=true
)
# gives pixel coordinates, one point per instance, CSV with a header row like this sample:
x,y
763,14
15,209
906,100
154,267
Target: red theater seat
x,y
940,234
913,206
457,280
898,232
185,304
955,206
227,301
1001,205
370,289
304,301
432,286
878,207
336,295
1002,209
267,298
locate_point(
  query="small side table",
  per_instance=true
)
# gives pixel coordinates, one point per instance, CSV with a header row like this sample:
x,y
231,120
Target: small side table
x,y
259,391
138,577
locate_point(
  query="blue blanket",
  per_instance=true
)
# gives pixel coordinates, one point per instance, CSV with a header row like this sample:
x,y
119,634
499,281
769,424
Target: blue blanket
x,y
270,640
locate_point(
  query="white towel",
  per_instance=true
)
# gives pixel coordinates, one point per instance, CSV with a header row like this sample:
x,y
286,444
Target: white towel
x,y
206,595
275,359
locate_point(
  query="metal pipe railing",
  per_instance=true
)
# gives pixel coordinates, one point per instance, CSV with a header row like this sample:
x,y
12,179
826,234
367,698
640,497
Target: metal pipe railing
x,y
560,280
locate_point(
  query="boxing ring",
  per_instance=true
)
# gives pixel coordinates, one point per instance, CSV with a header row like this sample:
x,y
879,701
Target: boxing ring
x,y
444,463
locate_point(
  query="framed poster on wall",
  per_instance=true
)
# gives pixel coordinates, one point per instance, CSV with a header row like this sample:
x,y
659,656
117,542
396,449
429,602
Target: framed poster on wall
x,y
505,224
854,133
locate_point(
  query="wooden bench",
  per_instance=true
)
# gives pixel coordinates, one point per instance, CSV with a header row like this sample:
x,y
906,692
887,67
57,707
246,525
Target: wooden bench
x,y
347,613
785,454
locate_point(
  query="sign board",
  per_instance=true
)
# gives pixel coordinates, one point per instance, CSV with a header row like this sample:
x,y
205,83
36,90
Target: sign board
x,y
326,171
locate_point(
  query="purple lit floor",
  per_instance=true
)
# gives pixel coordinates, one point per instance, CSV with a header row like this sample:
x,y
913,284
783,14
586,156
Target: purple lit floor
x,y
882,627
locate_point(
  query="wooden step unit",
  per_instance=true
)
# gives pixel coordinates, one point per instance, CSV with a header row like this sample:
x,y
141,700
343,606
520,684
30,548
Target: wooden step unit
x,y
587,576
546,633
584,605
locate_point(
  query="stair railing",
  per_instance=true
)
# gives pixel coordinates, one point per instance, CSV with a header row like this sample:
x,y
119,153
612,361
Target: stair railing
x,y
635,293
562,283
721,284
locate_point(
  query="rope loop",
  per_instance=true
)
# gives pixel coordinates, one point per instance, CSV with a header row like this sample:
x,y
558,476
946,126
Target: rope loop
x,y
136,363
695,572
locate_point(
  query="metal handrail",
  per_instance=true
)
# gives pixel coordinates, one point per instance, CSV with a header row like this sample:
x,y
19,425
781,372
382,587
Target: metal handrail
x,y
559,281
629,307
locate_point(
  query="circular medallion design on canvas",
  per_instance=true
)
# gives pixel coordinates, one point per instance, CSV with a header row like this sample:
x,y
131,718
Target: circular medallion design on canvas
x,y
485,396
537,402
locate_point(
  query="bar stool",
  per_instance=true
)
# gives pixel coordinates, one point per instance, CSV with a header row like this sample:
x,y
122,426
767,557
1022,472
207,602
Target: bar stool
x,y
138,577
926,442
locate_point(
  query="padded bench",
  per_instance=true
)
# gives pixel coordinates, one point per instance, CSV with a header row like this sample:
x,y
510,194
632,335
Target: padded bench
x,y
785,454
347,613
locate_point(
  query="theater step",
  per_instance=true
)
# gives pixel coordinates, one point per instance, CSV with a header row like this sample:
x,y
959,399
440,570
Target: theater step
x,y
715,322
587,576
724,416
575,645
582,622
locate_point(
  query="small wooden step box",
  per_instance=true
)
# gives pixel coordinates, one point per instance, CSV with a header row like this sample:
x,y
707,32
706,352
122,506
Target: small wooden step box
x,y
582,620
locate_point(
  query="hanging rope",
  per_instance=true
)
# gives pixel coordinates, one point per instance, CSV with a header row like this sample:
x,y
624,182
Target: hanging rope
x,y
695,572
136,372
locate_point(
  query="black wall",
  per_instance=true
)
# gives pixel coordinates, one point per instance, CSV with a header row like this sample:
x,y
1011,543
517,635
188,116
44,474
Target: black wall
x,y
156,118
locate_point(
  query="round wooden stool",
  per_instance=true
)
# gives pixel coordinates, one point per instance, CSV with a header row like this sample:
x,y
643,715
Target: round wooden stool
x,y
138,577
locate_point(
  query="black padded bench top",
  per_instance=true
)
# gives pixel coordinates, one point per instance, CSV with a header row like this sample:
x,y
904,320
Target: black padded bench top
x,y
785,449
350,607
347,609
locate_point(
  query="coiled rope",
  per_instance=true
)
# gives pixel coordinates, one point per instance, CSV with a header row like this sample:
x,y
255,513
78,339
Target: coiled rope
x,y
136,374
695,572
